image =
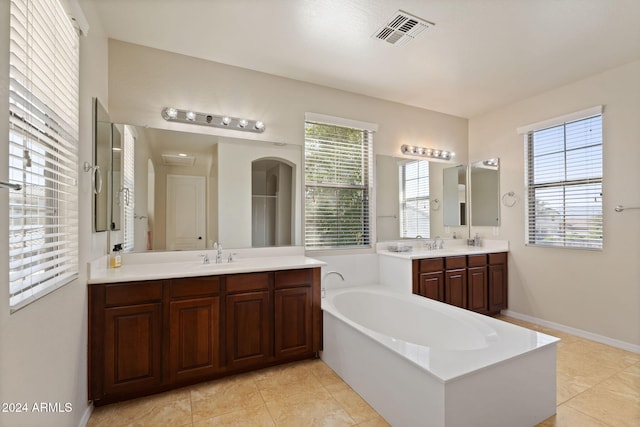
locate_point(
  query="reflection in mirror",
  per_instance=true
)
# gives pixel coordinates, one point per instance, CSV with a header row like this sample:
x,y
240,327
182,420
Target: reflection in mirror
x,y
102,162
168,215
271,203
454,183
116,178
485,193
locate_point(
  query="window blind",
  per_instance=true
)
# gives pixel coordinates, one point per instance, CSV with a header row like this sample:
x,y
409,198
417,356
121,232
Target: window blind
x,y
414,199
564,189
43,144
338,183
128,182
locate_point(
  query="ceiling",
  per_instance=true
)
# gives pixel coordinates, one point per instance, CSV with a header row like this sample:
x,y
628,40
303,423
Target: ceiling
x,y
479,55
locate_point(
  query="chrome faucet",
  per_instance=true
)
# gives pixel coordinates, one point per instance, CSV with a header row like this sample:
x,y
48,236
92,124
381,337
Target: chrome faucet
x,y
435,243
206,259
323,292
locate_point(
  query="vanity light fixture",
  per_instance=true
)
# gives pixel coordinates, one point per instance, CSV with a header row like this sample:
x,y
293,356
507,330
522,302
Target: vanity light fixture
x,y
171,114
427,152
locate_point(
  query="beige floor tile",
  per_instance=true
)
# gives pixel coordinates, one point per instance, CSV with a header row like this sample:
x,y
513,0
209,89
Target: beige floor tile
x,y
257,416
352,403
569,417
284,383
222,396
171,408
309,410
615,401
325,374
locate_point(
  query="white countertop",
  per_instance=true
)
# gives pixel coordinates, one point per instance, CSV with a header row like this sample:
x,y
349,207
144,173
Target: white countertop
x,y
452,247
137,271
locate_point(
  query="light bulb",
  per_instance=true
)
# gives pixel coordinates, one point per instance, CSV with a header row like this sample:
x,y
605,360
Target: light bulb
x,y
191,115
243,123
259,125
226,120
172,113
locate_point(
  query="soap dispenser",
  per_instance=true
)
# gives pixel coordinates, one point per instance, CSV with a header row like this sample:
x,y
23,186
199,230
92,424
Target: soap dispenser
x,y
115,260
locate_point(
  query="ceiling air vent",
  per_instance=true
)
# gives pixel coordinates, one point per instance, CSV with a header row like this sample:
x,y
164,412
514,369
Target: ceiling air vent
x,y
177,160
401,28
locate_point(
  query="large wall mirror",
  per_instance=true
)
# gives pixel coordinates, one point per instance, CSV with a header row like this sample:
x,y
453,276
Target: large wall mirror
x,y
388,197
485,193
101,166
191,190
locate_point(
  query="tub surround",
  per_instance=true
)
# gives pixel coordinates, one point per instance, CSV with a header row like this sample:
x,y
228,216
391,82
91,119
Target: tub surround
x,y
464,369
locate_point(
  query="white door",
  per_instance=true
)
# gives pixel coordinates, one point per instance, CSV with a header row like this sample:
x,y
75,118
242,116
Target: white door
x,y
185,212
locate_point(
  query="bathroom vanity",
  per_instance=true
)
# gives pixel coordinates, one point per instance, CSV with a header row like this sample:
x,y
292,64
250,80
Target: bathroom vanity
x,y
474,278
154,327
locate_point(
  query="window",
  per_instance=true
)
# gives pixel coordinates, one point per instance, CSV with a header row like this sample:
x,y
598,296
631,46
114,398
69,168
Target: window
x,y
43,144
128,183
338,184
414,199
564,188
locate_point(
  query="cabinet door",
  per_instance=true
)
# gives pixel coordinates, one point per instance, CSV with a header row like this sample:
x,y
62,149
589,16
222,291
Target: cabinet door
x,y
194,337
431,285
132,348
293,322
497,287
247,329
478,298
455,285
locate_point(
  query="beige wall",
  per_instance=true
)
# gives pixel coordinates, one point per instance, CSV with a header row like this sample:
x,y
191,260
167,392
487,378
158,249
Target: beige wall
x,y
43,347
595,291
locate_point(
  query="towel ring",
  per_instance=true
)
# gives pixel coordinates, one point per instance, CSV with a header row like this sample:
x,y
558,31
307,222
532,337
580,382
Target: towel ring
x,y
435,204
510,199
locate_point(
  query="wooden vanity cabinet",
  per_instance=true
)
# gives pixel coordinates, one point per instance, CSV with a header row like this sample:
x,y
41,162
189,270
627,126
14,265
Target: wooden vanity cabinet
x,y
428,278
455,281
125,338
151,336
477,285
194,328
248,314
293,317
476,282
498,282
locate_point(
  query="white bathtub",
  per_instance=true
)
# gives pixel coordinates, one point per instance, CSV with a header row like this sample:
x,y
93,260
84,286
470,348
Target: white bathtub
x,y
419,362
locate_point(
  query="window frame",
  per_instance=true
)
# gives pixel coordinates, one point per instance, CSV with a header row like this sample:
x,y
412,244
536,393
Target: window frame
x,y
314,188
43,150
419,198
566,188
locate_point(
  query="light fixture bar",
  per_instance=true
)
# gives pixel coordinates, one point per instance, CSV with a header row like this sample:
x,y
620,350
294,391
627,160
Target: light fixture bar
x,y
432,153
171,114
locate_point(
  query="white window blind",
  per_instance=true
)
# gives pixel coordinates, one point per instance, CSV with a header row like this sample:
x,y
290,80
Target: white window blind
x,y
414,199
338,184
564,188
43,144
128,182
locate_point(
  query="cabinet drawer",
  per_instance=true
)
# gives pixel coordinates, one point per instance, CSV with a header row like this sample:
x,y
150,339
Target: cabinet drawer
x,y
428,265
293,278
499,258
455,262
476,260
195,286
247,282
133,293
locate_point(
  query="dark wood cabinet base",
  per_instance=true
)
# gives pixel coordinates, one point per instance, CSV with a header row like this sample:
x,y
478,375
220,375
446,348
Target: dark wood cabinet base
x,y
153,336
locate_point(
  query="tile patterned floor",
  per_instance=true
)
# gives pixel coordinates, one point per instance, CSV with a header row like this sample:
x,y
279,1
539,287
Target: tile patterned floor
x,y
598,385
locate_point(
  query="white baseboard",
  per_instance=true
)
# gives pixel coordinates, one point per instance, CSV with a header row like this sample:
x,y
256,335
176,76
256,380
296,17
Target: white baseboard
x,y
574,331
85,417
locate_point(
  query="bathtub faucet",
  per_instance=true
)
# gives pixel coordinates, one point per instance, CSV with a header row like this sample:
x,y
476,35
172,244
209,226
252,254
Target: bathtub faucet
x,y
323,292
334,272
